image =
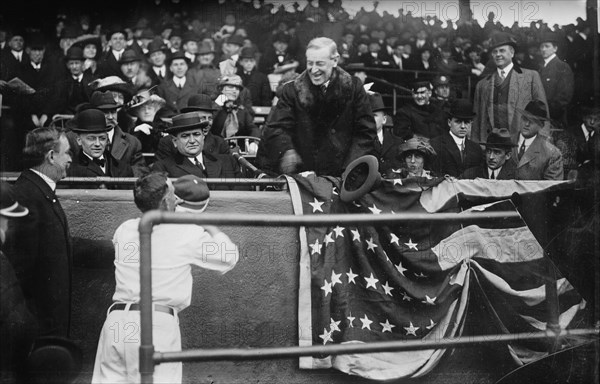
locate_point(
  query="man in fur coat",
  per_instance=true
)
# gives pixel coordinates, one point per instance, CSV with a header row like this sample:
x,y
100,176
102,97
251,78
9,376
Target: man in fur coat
x,y
322,121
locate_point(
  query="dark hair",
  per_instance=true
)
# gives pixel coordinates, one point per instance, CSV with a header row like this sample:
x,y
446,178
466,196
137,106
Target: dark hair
x,y
38,143
149,191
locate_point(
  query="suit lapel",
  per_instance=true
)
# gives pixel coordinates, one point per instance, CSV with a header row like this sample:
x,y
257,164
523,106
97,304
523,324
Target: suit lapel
x,y
187,166
388,141
452,149
119,145
532,152
48,194
213,166
516,79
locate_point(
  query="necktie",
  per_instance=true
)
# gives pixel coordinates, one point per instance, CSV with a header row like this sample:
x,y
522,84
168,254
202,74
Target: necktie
x,y
323,89
522,150
462,151
199,165
502,75
492,175
99,161
118,56
590,136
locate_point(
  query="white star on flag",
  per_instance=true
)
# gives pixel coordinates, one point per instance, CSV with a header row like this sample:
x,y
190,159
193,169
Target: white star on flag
x,y
371,281
306,173
351,276
339,231
411,245
326,336
429,300
375,210
351,320
355,234
387,289
387,327
335,278
404,296
421,275
328,239
371,245
431,324
316,247
366,323
316,205
401,269
394,239
335,191
334,325
412,330
327,288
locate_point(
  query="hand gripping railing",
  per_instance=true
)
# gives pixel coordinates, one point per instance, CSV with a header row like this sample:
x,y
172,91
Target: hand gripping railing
x,y
148,357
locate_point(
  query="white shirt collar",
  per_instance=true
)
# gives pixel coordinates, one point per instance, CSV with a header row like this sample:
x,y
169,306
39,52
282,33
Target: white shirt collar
x,y
190,56
17,54
199,157
496,172
51,183
78,78
111,134
117,54
527,141
459,141
160,70
586,133
179,81
380,136
506,70
91,159
36,66
546,61
235,57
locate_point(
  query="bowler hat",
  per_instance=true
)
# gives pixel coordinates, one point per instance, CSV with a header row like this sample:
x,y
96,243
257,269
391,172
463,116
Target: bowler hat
x,y
157,45
416,144
185,122
199,102
376,102
74,53
9,207
248,53
193,191
502,38
36,41
89,121
535,109
205,49
114,84
461,109
113,30
177,55
70,32
233,80
104,100
54,359
129,56
236,39
420,84
549,37
147,34
189,36
499,137
281,37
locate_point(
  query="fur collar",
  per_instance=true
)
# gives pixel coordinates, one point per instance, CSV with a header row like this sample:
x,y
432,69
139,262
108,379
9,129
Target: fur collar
x,y
340,92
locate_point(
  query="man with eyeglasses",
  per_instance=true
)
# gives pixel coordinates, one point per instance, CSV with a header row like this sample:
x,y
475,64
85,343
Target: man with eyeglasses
x,y
421,117
188,138
455,152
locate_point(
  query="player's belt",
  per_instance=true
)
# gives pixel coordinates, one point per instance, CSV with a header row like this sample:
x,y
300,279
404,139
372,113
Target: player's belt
x,y
136,307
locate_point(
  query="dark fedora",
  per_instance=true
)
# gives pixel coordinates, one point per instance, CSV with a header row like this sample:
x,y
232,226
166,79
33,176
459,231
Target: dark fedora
x,y
420,84
36,41
549,37
236,39
129,56
177,55
74,53
535,109
70,32
499,138
360,177
104,100
185,122
157,45
189,36
199,102
147,34
502,38
115,29
89,121
282,38
248,53
9,207
205,49
461,109
376,102
54,359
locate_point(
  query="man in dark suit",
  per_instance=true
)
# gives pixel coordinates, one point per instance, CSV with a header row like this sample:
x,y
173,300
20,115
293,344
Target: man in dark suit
x,y
188,138
499,164
125,150
91,129
557,78
455,152
253,80
40,244
13,59
74,89
586,135
157,56
109,64
180,87
421,117
386,144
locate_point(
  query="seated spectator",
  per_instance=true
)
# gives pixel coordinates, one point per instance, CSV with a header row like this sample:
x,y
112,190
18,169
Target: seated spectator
x,y
256,82
442,92
420,117
92,51
233,119
231,53
188,138
157,56
130,63
424,61
455,152
147,129
586,134
415,156
92,137
73,89
178,89
189,48
277,59
109,64
207,74
499,163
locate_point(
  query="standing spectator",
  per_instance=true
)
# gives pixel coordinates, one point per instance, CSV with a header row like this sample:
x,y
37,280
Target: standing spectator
x,y
177,249
322,120
180,87
109,64
207,74
586,135
40,245
420,117
189,45
277,59
455,152
74,89
130,71
557,78
386,144
157,56
509,87
13,59
256,82
147,129
537,158
499,164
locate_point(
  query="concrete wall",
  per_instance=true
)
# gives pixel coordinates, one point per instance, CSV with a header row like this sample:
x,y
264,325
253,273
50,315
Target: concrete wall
x,y
254,305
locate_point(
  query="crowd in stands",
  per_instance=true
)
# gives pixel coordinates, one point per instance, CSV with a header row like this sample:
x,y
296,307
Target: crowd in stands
x,y
152,63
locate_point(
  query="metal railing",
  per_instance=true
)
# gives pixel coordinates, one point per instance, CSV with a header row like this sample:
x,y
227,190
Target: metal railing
x,y
149,357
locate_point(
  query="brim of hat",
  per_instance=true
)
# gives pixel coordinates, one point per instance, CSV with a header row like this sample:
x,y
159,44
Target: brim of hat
x,y
157,104
165,51
499,145
471,116
122,88
514,45
76,129
194,206
372,178
402,152
531,115
181,128
108,106
197,109
15,210
384,109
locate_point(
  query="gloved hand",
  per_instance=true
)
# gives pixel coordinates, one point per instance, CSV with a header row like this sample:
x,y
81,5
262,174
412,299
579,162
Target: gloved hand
x,y
290,161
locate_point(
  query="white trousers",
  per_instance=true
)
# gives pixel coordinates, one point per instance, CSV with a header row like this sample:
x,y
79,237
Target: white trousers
x,y
117,357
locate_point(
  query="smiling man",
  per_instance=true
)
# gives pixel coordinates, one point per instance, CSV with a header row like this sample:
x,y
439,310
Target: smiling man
x,y
322,121
92,136
509,87
422,117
